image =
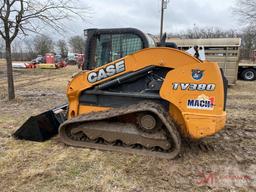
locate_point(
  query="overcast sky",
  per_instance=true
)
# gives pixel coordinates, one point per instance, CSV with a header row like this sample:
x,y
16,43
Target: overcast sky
x,y
145,15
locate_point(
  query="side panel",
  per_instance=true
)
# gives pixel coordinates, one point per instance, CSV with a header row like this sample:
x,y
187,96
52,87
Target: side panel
x,y
196,94
193,88
162,57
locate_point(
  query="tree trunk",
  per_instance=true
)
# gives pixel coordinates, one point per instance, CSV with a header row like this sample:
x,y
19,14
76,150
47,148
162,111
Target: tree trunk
x,y
11,92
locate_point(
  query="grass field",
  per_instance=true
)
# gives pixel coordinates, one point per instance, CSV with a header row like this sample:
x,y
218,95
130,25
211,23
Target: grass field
x,y
51,166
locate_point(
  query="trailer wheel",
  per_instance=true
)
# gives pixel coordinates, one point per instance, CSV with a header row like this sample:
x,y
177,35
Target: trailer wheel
x,y
249,74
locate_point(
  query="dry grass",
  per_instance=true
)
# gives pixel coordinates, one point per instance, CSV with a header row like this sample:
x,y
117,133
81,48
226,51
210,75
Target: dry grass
x,y
52,166
2,61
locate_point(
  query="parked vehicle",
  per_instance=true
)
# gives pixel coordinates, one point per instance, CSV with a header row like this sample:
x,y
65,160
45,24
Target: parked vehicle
x,y
247,68
224,51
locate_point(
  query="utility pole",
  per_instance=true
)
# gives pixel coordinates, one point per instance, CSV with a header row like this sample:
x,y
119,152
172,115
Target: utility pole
x,y
163,7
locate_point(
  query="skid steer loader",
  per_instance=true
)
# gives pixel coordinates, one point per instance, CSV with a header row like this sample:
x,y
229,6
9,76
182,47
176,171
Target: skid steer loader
x,y
136,96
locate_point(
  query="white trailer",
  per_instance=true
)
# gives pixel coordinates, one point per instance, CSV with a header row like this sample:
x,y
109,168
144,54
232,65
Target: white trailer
x,y
224,51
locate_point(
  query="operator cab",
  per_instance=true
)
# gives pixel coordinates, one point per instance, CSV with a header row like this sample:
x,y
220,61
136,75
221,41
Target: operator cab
x,y
106,45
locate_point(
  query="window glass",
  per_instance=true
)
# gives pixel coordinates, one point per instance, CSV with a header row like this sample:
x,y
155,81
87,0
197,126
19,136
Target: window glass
x,y
112,47
131,43
103,50
116,47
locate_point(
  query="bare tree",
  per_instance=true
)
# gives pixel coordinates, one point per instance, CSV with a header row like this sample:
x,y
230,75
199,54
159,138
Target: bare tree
x,y
246,9
62,46
23,16
77,44
248,42
210,32
16,46
1,48
43,44
29,46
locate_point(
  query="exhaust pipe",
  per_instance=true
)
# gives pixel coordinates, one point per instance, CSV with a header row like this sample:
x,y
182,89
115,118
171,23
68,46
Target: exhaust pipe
x,y
44,126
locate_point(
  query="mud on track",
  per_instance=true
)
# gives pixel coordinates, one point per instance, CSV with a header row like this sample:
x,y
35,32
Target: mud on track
x,y
224,162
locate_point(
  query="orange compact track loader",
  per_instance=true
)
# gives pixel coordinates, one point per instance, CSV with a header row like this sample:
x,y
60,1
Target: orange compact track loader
x,y
136,96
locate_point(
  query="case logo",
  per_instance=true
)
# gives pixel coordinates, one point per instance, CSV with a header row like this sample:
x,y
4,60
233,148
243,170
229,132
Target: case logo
x,y
106,72
202,102
197,74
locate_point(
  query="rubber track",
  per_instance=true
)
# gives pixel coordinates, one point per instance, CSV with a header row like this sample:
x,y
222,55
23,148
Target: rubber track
x,y
173,135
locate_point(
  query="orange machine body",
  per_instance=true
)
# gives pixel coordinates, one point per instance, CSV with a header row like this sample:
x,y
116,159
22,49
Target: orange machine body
x,y
193,88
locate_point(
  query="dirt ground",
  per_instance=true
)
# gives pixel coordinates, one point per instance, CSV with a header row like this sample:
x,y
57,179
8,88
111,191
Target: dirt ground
x,y
224,162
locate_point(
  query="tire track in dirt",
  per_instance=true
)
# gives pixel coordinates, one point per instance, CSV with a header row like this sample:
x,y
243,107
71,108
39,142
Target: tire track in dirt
x,y
23,79
239,97
245,106
31,81
16,73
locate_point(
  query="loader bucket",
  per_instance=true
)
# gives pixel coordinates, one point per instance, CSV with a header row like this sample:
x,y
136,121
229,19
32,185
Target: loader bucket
x,y
43,126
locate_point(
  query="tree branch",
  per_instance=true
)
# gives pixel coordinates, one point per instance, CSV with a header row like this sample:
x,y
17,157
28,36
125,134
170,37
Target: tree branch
x,y
246,9
18,21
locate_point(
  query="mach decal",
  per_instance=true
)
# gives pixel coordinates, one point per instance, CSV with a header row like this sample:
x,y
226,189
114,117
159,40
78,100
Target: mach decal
x,y
106,72
202,102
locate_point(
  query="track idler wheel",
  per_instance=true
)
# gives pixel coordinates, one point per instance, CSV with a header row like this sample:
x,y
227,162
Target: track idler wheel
x,y
149,122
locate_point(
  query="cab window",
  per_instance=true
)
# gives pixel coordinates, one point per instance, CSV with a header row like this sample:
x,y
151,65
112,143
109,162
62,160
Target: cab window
x,y
112,47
